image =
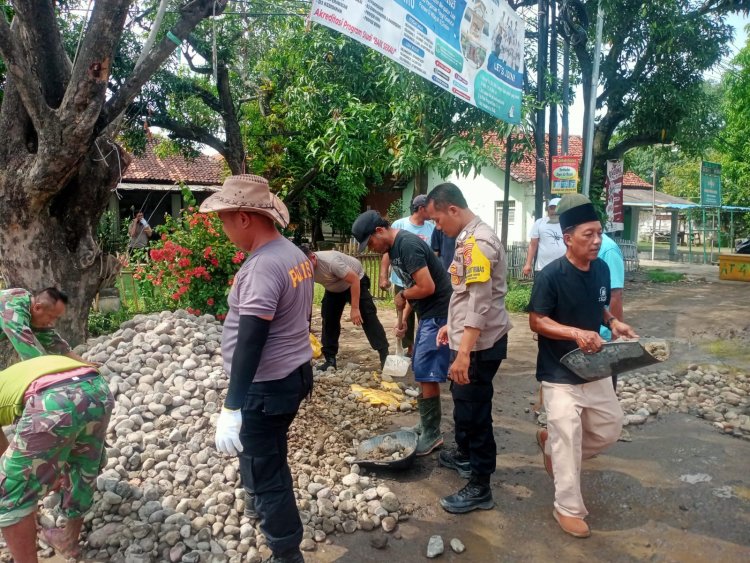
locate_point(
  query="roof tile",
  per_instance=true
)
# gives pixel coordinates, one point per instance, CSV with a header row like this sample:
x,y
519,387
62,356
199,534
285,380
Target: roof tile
x,y
204,170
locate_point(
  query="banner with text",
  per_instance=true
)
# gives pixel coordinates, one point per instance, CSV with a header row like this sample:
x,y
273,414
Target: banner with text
x,y
471,48
613,185
564,174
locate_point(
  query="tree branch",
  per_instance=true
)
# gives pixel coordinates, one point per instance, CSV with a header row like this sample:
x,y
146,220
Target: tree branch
x,y
28,85
191,65
190,16
189,132
300,185
625,145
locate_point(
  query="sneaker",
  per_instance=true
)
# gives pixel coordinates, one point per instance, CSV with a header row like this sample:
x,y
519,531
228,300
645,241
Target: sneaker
x,y
456,459
541,440
576,527
473,496
294,556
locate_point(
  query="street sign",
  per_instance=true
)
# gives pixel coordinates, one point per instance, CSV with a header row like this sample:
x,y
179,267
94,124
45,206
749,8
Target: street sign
x,y
564,174
472,49
710,184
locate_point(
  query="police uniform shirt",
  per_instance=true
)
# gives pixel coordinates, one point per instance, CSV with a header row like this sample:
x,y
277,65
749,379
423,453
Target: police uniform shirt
x,y
477,275
571,297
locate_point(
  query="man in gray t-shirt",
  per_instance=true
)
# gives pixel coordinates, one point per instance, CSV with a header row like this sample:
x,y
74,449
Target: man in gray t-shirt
x,y
266,351
345,281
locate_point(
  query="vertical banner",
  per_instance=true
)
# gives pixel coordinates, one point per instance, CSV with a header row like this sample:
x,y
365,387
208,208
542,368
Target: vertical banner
x,y
613,185
471,48
710,184
564,175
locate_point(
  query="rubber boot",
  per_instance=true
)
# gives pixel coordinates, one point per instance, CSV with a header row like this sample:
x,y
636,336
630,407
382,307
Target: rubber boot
x,y
417,428
429,415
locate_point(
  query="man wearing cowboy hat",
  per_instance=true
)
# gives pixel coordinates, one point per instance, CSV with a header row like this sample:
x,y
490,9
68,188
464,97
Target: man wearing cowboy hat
x,y
266,351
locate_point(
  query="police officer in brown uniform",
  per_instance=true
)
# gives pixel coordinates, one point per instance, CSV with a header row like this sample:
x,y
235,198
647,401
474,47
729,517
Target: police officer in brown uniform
x,y
477,333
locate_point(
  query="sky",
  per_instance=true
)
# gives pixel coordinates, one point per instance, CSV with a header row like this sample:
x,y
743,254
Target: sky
x,y
738,21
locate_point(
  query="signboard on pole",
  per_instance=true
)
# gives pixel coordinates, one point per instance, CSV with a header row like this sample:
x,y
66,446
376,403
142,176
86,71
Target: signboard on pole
x,y
471,48
613,186
564,174
710,184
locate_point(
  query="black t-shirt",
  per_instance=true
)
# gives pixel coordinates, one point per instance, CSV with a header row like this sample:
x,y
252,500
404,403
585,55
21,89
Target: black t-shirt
x,y
444,246
571,297
410,254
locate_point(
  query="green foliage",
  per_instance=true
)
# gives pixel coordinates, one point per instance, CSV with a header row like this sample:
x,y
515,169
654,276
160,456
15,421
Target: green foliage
x,y
107,323
518,297
657,275
111,239
192,266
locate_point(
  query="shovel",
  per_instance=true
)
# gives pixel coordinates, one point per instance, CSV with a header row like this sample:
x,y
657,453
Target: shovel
x,y
397,365
614,359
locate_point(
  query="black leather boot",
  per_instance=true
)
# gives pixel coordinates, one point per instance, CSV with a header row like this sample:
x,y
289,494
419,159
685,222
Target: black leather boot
x,y
456,459
329,363
477,494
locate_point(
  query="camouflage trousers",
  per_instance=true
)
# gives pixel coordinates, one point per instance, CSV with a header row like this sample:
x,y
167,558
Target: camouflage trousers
x,y
60,434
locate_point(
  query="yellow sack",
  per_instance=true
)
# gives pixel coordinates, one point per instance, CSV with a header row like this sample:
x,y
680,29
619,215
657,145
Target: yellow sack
x,y
316,347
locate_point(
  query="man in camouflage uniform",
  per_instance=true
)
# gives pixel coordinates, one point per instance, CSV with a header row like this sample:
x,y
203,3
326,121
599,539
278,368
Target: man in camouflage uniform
x,y
27,320
62,408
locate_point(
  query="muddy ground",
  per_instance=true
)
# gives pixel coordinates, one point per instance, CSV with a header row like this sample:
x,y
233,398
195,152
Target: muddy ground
x,y
640,510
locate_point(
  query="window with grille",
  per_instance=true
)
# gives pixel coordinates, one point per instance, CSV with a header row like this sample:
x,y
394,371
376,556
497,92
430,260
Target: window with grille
x,y
499,214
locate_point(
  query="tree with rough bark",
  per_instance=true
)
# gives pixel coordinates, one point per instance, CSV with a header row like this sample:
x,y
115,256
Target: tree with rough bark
x,y
59,159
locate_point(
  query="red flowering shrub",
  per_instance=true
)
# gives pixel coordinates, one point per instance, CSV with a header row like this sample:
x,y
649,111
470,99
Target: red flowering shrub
x,y
191,267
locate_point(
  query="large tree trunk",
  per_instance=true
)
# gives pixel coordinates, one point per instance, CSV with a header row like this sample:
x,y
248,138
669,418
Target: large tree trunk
x,y
51,242
58,161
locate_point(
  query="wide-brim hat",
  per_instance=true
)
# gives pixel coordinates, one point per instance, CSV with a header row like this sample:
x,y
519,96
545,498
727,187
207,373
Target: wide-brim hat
x,y
250,193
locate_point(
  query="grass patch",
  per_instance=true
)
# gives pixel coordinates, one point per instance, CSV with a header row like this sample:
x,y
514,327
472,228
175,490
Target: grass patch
x,y
657,275
726,349
518,297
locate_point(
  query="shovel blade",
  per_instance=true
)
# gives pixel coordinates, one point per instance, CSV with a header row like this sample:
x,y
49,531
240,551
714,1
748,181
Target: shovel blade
x,y
396,366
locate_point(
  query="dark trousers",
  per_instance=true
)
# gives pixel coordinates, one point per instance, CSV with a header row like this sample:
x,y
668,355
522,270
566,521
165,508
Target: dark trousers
x,y
268,411
408,340
472,408
333,307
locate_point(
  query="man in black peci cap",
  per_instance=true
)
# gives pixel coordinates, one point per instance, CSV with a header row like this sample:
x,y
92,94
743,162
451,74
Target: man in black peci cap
x,y
427,288
567,307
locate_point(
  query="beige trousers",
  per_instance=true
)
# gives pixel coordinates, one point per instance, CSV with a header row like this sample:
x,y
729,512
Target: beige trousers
x,y
582,420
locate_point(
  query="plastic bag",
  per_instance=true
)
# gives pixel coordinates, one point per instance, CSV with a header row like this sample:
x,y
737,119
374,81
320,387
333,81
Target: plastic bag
x,y
316,346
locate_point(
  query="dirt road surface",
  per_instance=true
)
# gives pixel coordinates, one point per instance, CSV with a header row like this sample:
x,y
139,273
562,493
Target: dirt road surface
x,y
641,503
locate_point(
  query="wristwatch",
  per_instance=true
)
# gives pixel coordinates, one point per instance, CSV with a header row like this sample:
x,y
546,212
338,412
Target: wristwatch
x,y
608,322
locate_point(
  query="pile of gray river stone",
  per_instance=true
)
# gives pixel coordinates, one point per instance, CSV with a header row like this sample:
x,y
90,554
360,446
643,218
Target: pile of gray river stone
x,y
167,495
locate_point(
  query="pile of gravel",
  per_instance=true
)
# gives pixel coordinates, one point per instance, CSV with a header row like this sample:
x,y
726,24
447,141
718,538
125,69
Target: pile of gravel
x,y
167,495
718,394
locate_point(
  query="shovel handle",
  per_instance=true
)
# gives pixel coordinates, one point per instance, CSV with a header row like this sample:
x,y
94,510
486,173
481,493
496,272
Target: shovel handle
x,y
400,320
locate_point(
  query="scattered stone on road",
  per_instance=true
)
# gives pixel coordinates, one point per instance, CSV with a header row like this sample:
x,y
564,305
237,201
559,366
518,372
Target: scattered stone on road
x,y
435,547
457,545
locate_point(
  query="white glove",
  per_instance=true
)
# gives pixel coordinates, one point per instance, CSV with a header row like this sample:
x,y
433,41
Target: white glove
x,y
228,432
